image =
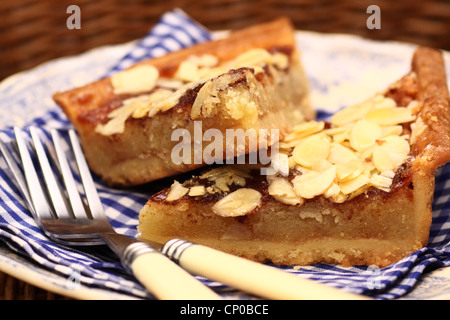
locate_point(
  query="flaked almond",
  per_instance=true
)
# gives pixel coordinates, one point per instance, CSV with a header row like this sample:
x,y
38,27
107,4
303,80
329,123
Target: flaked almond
x,y
238,203
280,60
384,102
381,159
352,113
390,116
307,128
280,163
321,165
197,191
313,183
381,182
354,184
311,150
205,60
135,80
390,153
332,191
336,130
203,97
346,161
148,105
363,134
343,136
177,191
187,71
283,191
417,129
252,57
223,183
392,131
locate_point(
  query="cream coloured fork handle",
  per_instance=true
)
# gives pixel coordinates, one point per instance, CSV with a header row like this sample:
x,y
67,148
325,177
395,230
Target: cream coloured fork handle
x,y
160,275
255,278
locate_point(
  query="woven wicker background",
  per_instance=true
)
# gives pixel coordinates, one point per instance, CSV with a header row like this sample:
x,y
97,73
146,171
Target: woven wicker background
x,y
34,31
13,289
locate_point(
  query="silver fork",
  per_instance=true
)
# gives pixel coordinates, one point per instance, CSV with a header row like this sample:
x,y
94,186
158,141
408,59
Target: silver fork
x,y
81,225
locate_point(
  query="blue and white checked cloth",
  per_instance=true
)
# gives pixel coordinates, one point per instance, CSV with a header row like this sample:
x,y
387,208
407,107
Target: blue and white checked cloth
x,y
20,234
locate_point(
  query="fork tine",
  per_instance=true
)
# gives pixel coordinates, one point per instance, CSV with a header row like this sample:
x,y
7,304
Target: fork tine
x,y
75,199
17,173
54,191
91,193
37,196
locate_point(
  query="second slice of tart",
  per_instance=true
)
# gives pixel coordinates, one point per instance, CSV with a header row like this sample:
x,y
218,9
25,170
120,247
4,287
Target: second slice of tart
x,y
251,79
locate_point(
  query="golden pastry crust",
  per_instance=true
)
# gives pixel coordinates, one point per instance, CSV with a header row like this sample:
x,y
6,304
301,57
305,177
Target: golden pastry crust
x,y
375,224
247,97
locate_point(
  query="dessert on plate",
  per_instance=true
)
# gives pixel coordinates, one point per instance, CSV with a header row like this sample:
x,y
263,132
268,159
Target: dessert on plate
x,y
357,190
251,79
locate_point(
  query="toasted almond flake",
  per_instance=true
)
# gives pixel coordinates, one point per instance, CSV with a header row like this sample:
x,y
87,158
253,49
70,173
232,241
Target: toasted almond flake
x,y
388,173
280,60
252,57
177,191
283,191
353,174
333,191
308,128
238,180
141,106
381,182
314,183
311,150
148,105
187,71
196,191
417,129
346,161
117,122
135,80
223,182
363,134
205,60
172,100
352,113
391,153
336,130
392,131
280,163
340,198
321,165
238,203
390,116
354,184
169,83
384,102
381,159
213,173
342,137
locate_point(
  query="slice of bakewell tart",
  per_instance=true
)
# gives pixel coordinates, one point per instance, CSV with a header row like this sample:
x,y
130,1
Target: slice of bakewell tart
x,y
251,79
358,191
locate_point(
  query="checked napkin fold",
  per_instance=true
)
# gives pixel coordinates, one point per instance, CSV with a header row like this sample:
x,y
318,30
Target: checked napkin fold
x,y
19,232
